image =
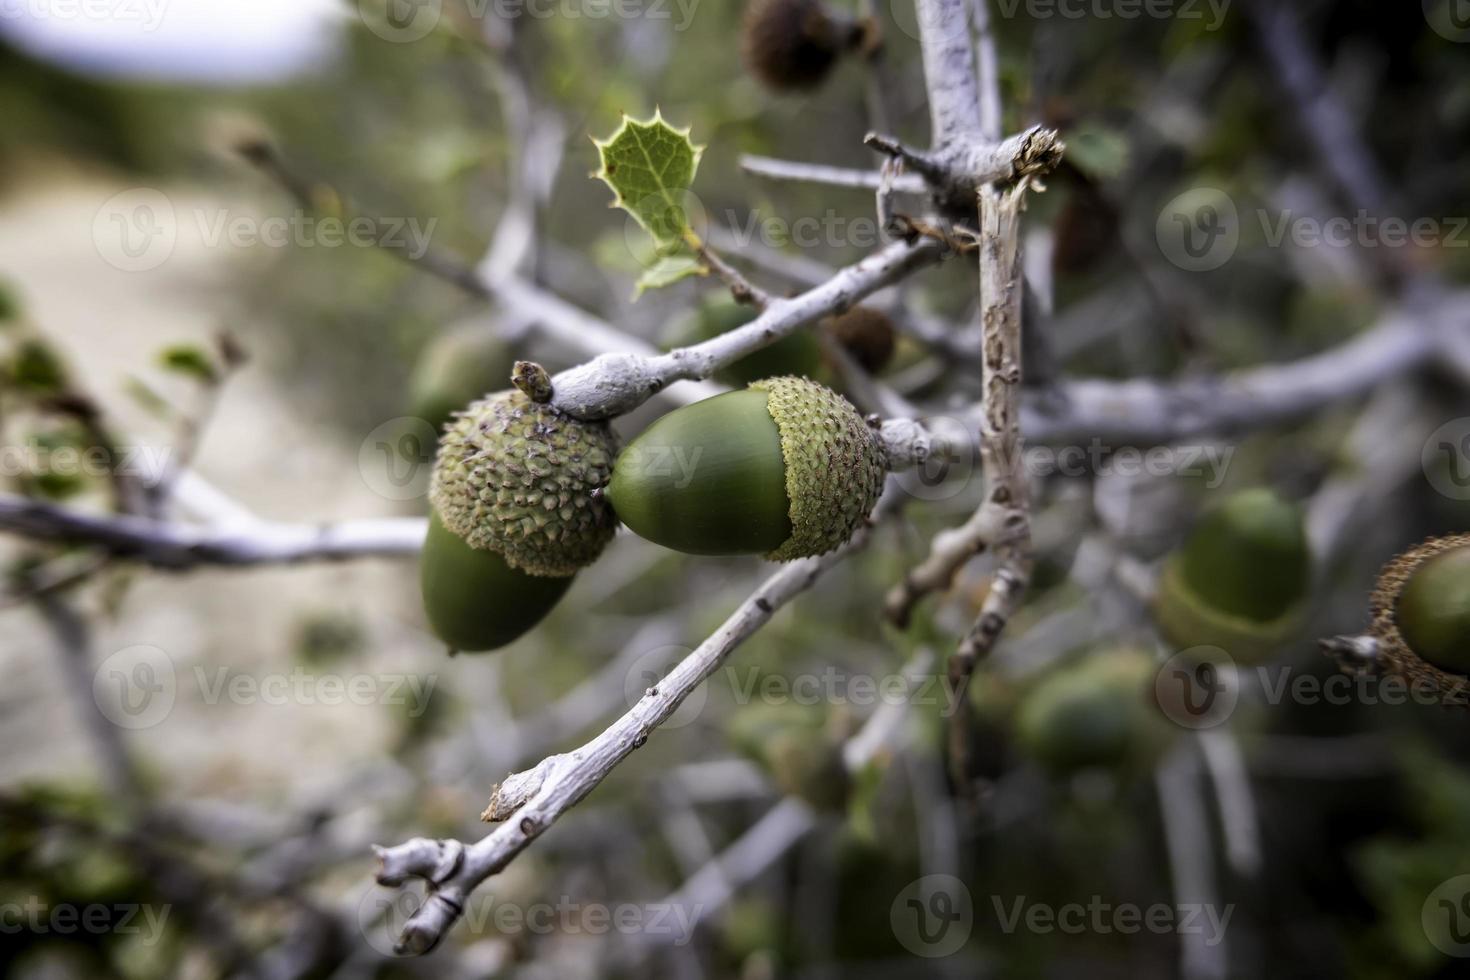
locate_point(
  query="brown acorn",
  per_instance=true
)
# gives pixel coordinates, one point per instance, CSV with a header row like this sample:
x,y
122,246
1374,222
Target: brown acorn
x,y
1421,616
792,45
867,334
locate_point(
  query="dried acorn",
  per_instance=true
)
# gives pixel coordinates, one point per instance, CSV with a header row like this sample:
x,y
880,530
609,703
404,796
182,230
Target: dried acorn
x,y
792,45
1421,614
785,468
515,515
455,368
1240,580
867,334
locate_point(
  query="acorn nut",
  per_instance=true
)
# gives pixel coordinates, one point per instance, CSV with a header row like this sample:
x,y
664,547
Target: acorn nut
x,y
785,468
515,514
1096,714
1240,580
1421,615
455,368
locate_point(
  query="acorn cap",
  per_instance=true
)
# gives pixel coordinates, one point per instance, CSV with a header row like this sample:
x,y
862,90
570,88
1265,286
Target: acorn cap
x,y
835,466
786,468
791,45
1240,580
474,601
519,478
1421,615
867,334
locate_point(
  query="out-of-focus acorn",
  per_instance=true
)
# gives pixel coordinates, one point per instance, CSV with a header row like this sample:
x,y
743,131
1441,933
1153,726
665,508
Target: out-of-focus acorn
x,y
785,468
515,514
797,353
1098,713
1421,614
455,368
795,744
867,334
1241,579
792,45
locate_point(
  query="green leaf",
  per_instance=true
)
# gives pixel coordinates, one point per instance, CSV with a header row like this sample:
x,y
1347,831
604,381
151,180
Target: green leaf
x,y
37,368
667,271
189,360
650,166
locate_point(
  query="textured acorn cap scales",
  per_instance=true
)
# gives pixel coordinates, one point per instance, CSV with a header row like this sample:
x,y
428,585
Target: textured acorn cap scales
x,y
834,465
1394,652
518,477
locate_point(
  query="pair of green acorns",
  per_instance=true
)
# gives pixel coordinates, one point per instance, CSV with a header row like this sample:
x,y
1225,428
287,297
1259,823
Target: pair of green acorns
x,y
523,496
1241,580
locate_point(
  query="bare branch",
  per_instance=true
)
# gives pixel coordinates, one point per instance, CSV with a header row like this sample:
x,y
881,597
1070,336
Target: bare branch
x,y
558,783
176,546
816,173
949,72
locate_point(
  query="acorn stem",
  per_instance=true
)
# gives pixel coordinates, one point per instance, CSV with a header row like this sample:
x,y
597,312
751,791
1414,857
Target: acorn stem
x,y
533,381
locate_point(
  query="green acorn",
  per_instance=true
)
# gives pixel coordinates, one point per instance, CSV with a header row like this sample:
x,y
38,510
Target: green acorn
x,y
798,746
785,468
1240,580
455,368
1099,713
1421,614
515,514
792,45
799,352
